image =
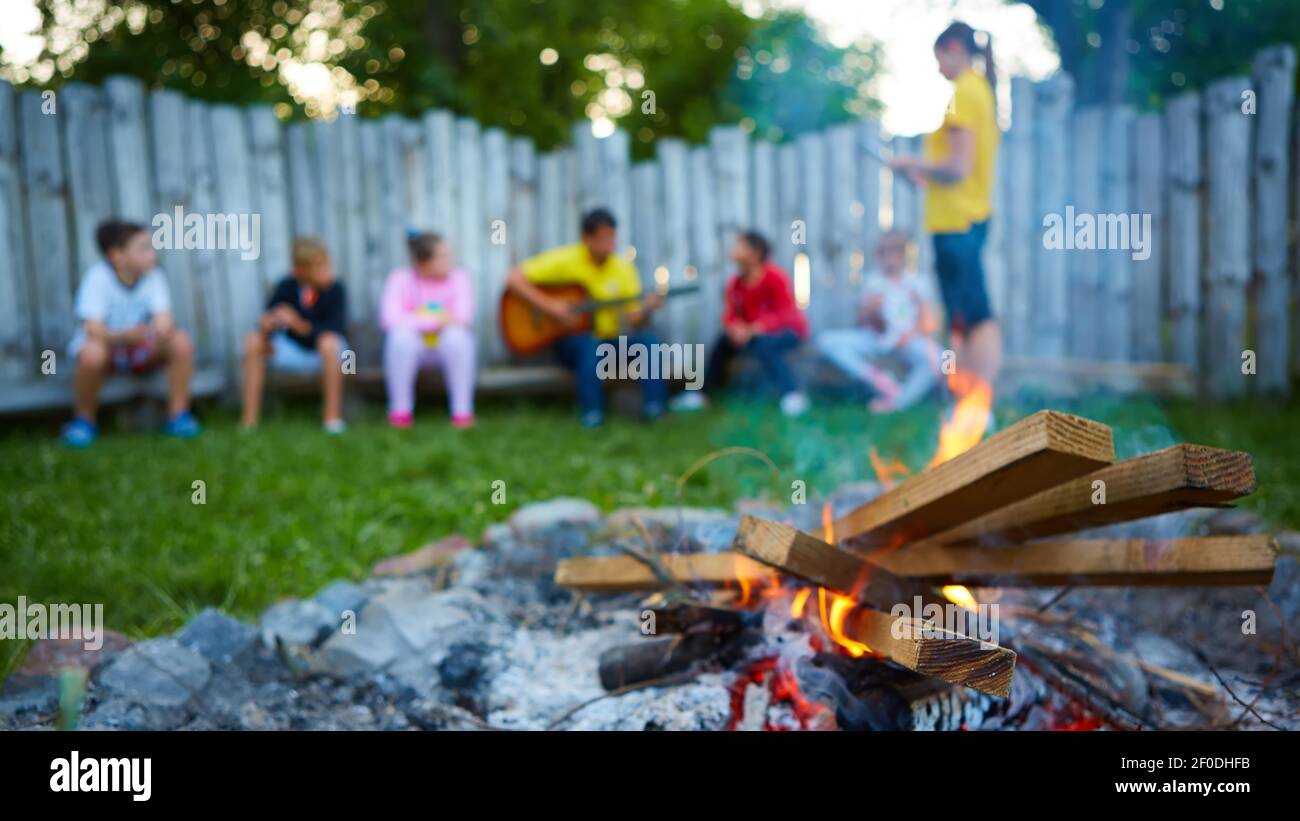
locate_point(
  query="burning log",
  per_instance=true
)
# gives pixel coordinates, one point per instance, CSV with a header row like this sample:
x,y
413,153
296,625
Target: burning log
x,y
1039,451
1144,562
806,557
618,574
1176,478
914,643
926,648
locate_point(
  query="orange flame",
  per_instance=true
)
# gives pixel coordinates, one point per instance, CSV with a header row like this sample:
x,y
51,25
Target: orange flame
x,y
888,472
828,524
800,602
970,416
960,596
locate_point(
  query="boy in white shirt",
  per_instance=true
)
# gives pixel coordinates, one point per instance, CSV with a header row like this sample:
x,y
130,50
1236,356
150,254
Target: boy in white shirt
x,y
124,310
896,321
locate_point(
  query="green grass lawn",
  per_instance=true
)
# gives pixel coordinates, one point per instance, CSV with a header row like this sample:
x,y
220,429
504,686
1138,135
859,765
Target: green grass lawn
x,y
288,509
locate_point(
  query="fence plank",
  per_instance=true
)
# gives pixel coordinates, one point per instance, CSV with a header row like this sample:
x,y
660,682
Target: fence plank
x,y
812,205
496,253
869,149
1149,191
524,217
473,226
645,226
616,187
365,299
90,186
1050,311
307,201
395,199
216,340
674,236
271,192
766,218
1024,228
172,178
705,254
789,206
1183,128
1085,283
325,166
1228,132
128,148
1274,77
551,182
47,221
233,165
17,359
440,168
1116,263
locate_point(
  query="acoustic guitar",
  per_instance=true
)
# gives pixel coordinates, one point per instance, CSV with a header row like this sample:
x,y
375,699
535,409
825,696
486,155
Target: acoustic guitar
x,y
526,329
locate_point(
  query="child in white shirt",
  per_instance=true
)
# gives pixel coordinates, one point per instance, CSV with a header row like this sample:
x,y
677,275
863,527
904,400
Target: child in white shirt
x,y
895,321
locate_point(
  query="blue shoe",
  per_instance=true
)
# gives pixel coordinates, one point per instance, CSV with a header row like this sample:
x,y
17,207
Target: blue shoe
x,y
593,419
183,426
79,433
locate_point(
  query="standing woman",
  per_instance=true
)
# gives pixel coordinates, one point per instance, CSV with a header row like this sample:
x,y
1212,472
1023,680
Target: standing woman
x,y
426,314
957,169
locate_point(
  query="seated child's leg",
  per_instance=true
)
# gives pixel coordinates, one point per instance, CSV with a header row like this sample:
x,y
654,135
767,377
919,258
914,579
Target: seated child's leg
x,y
654,392
177,350
458,354
848,349
403,348
256,349
578,353
771,350
715,373
920,356
330,347
93,362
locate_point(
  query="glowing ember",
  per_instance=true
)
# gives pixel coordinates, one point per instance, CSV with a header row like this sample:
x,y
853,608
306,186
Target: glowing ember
x,y
784,689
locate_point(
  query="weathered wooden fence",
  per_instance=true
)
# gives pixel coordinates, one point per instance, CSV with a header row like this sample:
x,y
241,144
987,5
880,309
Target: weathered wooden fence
x,y
1213,171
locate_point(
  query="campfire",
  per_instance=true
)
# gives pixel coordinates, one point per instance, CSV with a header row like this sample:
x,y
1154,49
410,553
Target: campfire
x,y
870,622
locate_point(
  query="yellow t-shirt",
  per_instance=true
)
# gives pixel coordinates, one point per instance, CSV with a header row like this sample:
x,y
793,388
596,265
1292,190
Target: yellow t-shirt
x,y
952,208
615,279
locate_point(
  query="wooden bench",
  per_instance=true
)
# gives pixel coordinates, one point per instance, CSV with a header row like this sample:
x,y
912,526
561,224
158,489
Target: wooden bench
x,y
55,392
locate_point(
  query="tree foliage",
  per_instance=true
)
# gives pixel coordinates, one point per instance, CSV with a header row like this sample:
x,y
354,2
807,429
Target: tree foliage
x,y
656,67
1142,51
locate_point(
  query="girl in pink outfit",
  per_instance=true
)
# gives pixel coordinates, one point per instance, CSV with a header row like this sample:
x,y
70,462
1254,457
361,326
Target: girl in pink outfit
x,y
427,313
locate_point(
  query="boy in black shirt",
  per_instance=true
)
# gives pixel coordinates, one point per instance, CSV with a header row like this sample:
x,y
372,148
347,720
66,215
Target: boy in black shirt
x,y
300,332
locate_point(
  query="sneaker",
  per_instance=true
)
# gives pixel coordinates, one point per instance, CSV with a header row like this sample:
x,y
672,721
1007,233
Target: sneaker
x,y
335,426
689,401
794,403
79,433
652,412
183,426
593,419
462,420
401,419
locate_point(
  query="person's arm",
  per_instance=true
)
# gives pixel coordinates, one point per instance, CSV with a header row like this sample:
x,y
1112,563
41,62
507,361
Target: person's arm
x,y
460,310
640,313
161,318
392,304
520,284
99,332
783,311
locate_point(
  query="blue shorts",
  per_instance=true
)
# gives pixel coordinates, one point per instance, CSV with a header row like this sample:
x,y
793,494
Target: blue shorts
x,y
960,271
290,357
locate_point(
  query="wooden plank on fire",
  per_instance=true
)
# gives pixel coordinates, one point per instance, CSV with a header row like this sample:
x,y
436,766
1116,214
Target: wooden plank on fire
x,y
921,645
1039,451
806,557
1176,478
615,574
1245,560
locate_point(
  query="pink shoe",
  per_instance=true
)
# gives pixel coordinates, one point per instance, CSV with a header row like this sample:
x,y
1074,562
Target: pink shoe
x,y
462,420
400,419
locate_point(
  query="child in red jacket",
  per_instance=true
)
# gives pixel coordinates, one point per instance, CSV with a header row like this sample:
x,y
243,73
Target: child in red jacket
x,y
759,318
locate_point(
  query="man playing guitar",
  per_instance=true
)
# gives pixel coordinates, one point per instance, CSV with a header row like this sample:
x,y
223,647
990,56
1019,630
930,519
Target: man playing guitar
x,y
605,275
